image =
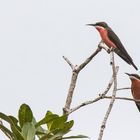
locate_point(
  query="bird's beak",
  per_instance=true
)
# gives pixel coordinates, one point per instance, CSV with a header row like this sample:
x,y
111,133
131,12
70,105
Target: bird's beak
x,y
91,24
128,74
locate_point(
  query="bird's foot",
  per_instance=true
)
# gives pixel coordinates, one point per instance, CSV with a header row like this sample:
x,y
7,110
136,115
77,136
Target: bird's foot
x,y
111,56
110,50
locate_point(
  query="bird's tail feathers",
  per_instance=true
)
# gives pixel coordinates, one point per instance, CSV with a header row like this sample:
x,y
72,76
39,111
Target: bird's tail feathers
x,y
138,106
127,59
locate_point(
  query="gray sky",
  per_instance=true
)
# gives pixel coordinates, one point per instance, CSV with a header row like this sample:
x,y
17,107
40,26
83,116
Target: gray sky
x,y
33,37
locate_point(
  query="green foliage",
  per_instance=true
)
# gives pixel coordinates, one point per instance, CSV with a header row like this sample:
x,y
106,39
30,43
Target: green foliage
x,y
27,128
25,114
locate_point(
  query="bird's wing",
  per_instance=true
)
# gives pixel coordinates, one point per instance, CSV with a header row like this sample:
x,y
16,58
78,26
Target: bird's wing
x,y
121,51
114,38
137,104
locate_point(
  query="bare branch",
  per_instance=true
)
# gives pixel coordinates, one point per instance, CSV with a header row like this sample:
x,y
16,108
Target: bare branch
x,y
101,95
70,92
75,72
112,60
125,88
80,67
122,98
68,61
84,104
103,46
103,125
109,84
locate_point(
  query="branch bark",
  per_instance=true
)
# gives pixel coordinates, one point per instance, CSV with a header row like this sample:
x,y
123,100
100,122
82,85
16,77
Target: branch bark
x,y
103,125
100,98
125,88
122,98
101,95
75,72
113,81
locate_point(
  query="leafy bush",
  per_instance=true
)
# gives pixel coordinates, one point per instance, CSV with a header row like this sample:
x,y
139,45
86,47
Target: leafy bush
x,y
26,127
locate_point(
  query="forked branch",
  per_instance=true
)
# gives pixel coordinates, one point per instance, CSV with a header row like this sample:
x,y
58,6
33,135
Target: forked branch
x,y
75,71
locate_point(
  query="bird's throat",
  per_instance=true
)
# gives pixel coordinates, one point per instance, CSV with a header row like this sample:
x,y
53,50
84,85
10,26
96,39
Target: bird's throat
x,y
104,35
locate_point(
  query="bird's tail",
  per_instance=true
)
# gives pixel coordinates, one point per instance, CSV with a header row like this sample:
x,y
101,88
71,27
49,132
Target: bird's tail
x,y
126,58
134,65
138,106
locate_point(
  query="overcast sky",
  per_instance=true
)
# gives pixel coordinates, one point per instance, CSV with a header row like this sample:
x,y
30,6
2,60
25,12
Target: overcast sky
x,y
35,34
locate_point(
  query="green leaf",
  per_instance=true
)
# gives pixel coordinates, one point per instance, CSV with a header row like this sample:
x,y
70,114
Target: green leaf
x,y
48,114
4,117
52,137
58,123
16,132
40,133
47,119
73,137
45,137
67,126
39,130
57,136
25,114
28,131
15,121
3,128
60,130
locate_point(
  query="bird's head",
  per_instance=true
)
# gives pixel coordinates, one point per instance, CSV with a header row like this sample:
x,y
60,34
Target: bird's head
x,y
133,76
101,25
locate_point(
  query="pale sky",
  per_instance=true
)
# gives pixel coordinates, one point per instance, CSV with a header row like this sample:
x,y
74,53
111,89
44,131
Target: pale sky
x,y
35,34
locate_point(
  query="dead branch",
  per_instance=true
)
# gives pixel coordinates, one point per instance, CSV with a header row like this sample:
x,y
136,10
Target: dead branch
x,y
122,98
84,104
68,61
113,81
103,125
81,66
101,95
75,72
125,88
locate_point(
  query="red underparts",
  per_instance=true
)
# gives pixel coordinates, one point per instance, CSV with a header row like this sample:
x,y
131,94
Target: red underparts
x,y
104,36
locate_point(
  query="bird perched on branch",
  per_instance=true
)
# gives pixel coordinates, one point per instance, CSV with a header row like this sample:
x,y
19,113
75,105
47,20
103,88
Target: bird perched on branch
x,y
135,87
113,42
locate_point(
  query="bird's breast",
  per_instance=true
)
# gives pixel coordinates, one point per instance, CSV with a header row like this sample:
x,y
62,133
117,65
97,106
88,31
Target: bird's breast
x,y
104,36
136,89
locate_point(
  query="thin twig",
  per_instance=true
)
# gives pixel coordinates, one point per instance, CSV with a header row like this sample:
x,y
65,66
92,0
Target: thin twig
x,y
75,72
101,96
109,84
68,61
125,88
80,67
122,98
84,104
103,125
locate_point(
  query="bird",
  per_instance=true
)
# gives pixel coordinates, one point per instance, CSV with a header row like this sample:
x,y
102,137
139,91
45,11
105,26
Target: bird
x,y
109,37
135,87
